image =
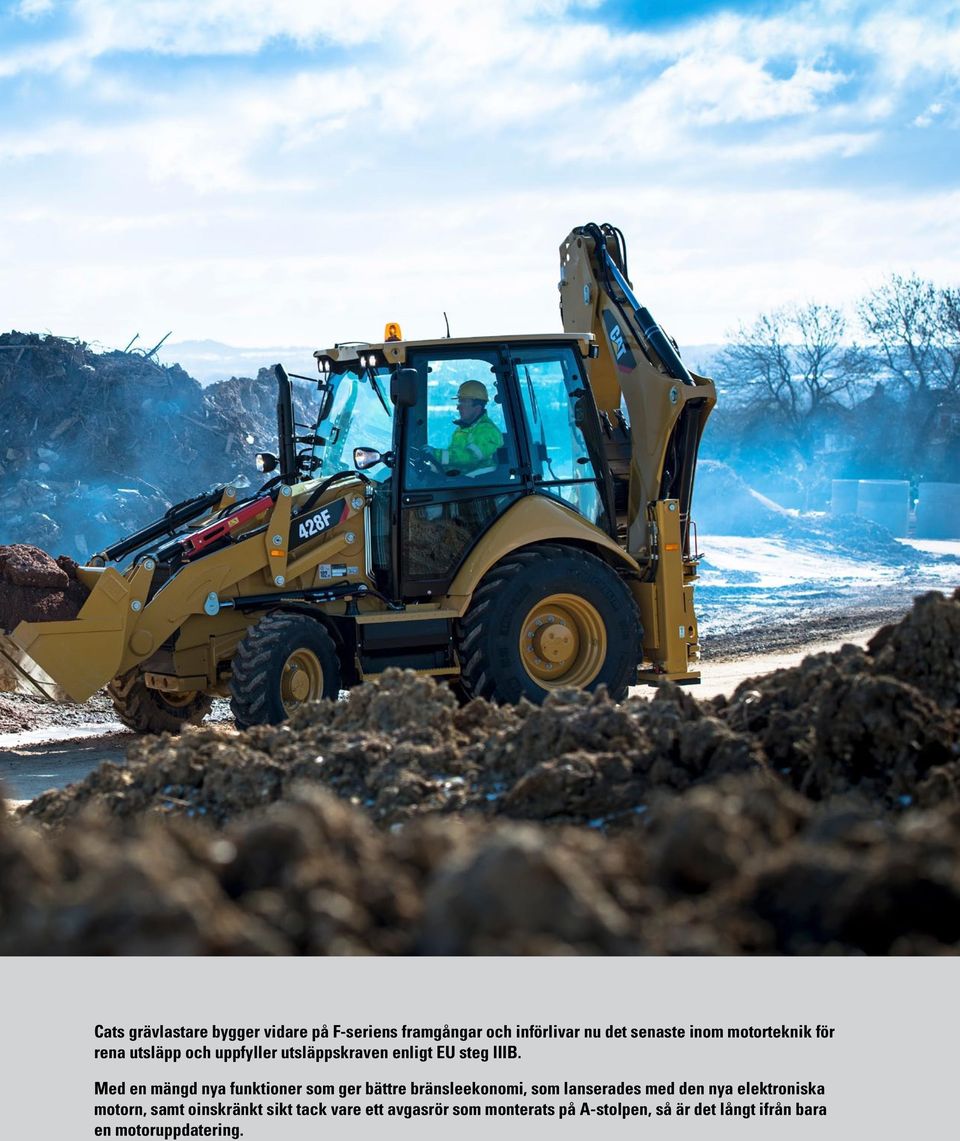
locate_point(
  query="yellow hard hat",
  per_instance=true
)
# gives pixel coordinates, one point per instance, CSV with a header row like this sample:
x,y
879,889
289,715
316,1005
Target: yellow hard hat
x,y
473,390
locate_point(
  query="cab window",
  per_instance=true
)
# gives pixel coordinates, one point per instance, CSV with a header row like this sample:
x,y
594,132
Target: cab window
x,y
457,435
553,397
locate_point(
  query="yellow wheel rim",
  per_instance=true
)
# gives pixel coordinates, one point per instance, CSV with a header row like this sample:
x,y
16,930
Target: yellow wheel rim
x,y
179,700
301,679
563,642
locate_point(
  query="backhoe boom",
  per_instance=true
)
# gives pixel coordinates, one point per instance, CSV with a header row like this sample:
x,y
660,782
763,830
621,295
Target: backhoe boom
x,y
654,410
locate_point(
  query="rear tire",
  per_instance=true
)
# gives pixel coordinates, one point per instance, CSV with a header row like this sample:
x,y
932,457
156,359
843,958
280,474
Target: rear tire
x,y
545,618
282,663
152,711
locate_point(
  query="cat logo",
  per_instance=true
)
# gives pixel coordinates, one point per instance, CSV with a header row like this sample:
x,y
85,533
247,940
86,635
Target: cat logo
x,y
624,358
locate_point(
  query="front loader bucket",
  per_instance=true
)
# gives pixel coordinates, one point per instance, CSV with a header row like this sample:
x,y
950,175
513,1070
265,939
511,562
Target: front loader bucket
x,y
19,673
70,660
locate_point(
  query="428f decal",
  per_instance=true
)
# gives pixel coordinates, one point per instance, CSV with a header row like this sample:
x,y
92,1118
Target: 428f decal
x,y
316,522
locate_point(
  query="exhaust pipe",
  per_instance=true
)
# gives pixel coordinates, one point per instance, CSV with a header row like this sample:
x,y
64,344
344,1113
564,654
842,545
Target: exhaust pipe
x,y
285,429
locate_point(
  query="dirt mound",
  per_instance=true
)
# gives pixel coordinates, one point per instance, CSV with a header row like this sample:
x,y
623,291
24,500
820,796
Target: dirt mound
x,y
874,724
27,566
922,649
856,537
816,811
740,866
883,724
851,883
36,588
724,504
401,747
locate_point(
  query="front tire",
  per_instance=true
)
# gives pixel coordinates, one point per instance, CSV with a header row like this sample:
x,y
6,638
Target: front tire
x,y
545,618
148,710
282,663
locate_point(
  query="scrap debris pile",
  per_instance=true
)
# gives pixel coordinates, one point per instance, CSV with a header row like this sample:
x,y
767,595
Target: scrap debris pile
x,y
815,811
95,445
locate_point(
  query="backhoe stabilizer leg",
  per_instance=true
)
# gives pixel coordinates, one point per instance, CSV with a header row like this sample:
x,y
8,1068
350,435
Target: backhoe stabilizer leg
x,y
672,636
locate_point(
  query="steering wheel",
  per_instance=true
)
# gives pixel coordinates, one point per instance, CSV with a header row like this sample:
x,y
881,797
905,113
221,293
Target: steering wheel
x,y
423,462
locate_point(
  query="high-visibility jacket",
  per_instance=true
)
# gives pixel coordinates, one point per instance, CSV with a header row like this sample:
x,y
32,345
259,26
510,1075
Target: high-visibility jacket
x,y
472,446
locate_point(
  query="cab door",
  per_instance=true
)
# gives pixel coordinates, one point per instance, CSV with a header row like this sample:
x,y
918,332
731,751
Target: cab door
x,y
562,430
459,465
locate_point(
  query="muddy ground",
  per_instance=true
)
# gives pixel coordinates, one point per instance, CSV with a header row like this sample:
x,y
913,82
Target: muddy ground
x,y
17,715
817,810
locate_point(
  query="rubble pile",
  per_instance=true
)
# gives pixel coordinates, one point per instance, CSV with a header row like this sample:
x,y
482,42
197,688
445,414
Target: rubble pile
x,y
250,406
851,722
36,588
95,445
815,811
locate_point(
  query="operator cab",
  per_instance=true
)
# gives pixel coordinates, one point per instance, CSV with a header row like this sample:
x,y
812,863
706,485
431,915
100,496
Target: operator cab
x,y
452,433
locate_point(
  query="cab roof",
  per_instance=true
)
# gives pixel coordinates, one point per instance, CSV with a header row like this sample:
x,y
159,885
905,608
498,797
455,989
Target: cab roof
x,y
395,352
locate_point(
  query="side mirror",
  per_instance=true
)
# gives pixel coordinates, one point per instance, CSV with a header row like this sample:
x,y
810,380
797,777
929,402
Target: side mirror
x,y
266,461
364,458
403,387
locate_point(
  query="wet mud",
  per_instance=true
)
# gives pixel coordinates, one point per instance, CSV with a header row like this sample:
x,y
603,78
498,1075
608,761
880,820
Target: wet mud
x,y
815,811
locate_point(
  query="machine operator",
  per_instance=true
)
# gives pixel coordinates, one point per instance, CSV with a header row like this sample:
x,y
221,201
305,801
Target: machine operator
x,y
475,438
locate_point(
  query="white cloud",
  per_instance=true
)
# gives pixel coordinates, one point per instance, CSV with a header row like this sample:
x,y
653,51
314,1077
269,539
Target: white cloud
x,y
708,89
781,148
415,157
907,45
929,116
31,9
485,73
701,259
232,27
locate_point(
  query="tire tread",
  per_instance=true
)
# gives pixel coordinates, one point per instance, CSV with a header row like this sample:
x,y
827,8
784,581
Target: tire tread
x,y
144,711
478,669
262,647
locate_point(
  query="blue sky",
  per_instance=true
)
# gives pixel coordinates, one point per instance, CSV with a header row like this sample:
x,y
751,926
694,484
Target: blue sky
x,y
274,171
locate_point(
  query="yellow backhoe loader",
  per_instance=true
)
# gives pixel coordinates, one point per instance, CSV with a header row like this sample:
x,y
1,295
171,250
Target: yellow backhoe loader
x,y
509,514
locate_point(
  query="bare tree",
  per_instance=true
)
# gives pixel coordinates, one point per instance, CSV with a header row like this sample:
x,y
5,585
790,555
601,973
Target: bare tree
x,y
916,327
797,360
948,332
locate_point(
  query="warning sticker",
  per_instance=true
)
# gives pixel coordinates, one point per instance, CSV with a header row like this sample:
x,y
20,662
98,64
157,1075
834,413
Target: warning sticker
x,y
335,570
